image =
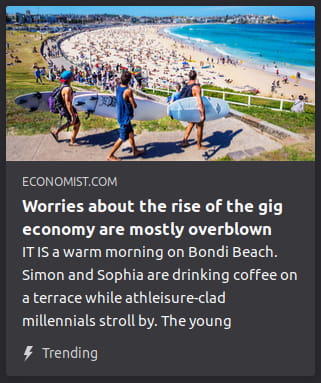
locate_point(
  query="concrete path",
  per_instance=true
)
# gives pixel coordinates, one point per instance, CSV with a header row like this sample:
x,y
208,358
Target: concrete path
x,y
225,136
60,60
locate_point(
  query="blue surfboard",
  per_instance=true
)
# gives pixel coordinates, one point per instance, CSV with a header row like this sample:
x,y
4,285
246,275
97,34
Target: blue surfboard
x,y
187,109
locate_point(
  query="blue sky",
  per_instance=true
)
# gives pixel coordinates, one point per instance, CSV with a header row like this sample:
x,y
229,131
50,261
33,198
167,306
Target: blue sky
x,y
291,12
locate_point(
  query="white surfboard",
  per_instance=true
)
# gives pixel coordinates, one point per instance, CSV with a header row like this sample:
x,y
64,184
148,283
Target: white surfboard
x,y
39,100
187,109
105,105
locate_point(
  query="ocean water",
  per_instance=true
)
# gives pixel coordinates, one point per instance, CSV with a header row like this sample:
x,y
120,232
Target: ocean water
x,y
290,46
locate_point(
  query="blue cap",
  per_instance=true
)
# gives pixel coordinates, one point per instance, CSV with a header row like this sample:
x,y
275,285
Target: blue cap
x,y
66,75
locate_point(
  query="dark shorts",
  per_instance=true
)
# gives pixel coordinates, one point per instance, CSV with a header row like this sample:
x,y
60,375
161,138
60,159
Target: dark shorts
x,y
124,131
69,117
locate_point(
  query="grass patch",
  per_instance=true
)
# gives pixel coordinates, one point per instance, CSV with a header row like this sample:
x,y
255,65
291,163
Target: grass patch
x,y
161,125
213,87
20,79
162,93
296,122
92,88
304,151
299,152
225,158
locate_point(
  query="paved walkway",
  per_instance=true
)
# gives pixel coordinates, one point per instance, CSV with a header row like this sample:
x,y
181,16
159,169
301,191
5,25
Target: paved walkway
x,y
225,136
60,60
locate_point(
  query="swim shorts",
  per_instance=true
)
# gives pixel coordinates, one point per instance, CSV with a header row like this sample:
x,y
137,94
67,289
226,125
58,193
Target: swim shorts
x,y
69,117
124,131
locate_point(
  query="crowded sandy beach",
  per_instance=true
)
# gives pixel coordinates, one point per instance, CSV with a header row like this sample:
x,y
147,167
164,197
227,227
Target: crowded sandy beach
x,y
165,62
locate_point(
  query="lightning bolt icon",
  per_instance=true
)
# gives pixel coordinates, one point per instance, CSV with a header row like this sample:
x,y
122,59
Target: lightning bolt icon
x,y
28,352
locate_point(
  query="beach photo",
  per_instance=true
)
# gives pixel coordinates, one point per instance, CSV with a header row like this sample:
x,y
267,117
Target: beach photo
x,y
136,83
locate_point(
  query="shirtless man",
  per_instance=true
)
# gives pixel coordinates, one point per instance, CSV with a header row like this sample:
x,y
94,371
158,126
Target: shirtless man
x,y
192,89
70,112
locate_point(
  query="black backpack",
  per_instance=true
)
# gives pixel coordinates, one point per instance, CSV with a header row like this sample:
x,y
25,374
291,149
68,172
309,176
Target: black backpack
x,y
187,91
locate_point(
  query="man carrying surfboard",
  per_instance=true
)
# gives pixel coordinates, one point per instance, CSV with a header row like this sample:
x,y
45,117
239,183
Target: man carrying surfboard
x,y
66,98
192,89
125,112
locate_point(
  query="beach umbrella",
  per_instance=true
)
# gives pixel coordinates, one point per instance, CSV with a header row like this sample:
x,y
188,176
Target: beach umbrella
x,y
136,71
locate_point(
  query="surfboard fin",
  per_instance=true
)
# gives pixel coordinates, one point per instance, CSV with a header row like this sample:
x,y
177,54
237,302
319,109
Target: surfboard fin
x,y
89,112
37,95
22,101
33,109
78,103
206,156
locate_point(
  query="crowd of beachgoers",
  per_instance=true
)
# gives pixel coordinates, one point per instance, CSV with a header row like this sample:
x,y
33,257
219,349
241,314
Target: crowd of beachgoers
x,y
157,60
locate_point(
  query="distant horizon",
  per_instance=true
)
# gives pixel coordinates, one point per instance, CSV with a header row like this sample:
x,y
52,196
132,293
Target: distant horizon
x,y
295,13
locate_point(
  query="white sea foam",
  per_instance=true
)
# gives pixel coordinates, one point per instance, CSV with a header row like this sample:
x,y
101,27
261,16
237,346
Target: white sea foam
x,y
222,52
176,35
200,40
186,38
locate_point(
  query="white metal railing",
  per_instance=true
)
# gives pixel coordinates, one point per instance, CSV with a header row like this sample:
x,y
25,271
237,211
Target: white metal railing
x,y
250,97
224,93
